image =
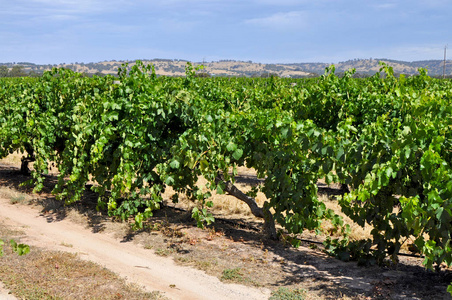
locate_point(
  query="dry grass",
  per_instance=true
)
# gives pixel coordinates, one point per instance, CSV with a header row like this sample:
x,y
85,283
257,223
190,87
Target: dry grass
x,y
356,232
14,196
223,204
13,159
228,206
61,275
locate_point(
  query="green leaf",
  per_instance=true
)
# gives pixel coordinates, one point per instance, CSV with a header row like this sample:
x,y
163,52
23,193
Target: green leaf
x,y
204,165
439,213
284,132
20,249
231,146
407,152
170,180
175,164
340,153
389,172
23,249
113,116
220,189
329,178
237,154
139,221
13,244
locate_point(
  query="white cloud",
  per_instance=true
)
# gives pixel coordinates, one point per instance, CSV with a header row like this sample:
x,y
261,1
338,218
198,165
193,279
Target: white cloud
x,y
280,2
171,25
384,6
55,17
436,3
433,51
76,6
288,20
62,7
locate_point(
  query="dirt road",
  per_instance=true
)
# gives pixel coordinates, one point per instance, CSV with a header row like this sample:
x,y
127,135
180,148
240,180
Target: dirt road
x,y
136,264
4,293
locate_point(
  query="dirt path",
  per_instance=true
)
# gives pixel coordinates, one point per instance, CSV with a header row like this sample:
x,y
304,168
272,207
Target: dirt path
x,y
136,264
4,293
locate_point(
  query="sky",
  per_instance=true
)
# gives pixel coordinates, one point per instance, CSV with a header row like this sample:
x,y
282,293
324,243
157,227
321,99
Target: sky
x,y
266,31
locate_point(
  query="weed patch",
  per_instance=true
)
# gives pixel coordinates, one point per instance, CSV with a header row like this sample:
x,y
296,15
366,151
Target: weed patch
x,y
288,294
232,275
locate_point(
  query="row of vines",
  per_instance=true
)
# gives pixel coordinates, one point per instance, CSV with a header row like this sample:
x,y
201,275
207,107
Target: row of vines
x,y
386,140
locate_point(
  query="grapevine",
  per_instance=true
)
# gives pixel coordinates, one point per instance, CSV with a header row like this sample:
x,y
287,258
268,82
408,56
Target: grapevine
x,y
387,140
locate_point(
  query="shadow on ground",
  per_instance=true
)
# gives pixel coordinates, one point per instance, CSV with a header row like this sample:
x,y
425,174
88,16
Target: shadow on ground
x,y
52,209
306,266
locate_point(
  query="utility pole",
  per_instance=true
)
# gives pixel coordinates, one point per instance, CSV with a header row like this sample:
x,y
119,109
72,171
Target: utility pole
x,y
444,65
204,65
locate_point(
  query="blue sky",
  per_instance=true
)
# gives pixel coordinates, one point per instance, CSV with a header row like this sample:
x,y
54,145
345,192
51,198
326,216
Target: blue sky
x,y
267,31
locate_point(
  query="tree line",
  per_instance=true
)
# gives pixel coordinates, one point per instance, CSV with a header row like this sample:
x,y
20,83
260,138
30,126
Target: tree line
x,y
16,71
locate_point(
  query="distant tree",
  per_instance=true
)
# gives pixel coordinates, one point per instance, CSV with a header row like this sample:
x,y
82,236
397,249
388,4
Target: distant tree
x,y
203,74
4,72
268,75
99,74
34,74
17,71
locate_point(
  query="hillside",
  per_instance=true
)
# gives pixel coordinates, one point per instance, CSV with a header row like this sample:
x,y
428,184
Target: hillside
x,y
176,67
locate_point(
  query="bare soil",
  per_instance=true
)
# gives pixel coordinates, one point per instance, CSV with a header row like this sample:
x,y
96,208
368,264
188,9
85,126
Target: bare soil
x,y
229,260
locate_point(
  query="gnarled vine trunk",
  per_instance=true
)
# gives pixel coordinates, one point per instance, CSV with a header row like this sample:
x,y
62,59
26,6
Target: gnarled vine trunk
x,y
27,159
260,212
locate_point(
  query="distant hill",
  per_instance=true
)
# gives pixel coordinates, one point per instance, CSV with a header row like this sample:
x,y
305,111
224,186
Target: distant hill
x,y
169,67
371,66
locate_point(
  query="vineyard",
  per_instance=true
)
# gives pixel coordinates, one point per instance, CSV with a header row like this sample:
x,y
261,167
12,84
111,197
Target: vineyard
x,y
386,140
